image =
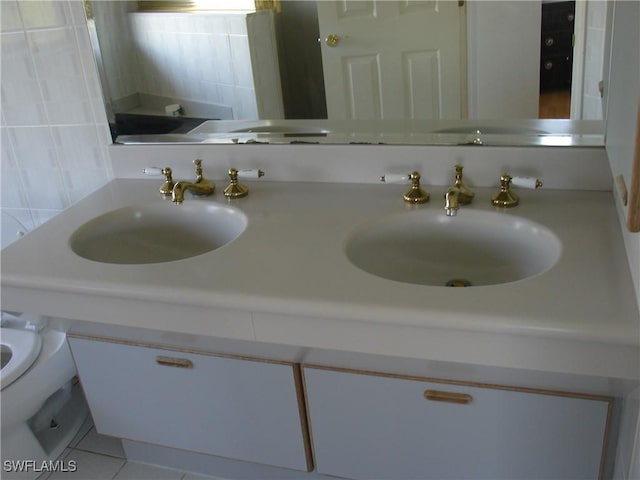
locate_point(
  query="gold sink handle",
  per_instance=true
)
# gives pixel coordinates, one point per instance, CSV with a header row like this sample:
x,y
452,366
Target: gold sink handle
x,y
505,197
167,186
238,190
416,194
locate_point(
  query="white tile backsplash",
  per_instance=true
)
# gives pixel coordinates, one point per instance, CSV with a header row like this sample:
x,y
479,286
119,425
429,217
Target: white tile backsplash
x,y
13,193
33,147
242,72
45,14
45,188
15,224
10,18
54,128
22,101
79,146
247,107
77,13
60,71
42,215
12,189
80,182
237,24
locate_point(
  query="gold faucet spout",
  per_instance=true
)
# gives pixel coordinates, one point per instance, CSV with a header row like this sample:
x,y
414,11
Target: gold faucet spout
x,y
452,201
202,187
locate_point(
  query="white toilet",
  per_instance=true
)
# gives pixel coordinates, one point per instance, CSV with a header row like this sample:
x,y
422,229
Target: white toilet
x,y
42,405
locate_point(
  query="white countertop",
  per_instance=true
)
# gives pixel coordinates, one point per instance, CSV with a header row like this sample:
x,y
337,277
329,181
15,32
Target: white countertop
x,y
286,280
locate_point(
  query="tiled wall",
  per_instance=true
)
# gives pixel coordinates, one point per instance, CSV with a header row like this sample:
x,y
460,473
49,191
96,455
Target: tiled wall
x,y
54,129
201,57
118,55
225,78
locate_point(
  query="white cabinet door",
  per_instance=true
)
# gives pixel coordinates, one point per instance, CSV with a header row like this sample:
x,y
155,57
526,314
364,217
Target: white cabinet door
x,y
235,408
368,426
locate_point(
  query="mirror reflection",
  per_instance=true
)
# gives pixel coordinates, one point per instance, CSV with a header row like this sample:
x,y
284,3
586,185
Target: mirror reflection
x,y
350,71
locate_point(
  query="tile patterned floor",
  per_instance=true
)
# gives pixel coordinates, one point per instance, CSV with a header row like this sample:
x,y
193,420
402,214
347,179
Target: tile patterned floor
x,y
102,458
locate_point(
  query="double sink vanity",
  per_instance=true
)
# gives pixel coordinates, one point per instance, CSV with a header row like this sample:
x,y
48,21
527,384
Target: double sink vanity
x,y
307,329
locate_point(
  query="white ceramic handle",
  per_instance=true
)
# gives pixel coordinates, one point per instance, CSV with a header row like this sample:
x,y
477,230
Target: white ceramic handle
x,y
250,173
152,171
394,178
526,182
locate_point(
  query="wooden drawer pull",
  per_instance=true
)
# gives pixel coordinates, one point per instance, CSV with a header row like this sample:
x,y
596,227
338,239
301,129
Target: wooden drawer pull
x,y
451,397
174,362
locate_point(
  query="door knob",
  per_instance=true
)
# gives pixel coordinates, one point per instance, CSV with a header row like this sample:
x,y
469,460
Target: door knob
x,y
332,40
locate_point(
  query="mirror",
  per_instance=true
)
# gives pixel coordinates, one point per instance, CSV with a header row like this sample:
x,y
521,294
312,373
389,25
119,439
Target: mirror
x,y
276,75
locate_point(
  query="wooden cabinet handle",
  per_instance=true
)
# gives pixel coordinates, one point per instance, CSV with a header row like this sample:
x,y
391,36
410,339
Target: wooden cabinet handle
x,y
174,362
450,397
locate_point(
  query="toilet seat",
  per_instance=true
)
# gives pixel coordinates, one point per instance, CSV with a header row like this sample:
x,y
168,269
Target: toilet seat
x,y
25,347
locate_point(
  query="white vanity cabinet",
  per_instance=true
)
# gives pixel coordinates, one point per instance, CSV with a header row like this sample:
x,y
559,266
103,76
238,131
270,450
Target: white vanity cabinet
x,y
366,425
237,408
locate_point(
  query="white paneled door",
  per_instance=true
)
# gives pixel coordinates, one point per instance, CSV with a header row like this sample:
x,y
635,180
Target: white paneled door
x,y
392,59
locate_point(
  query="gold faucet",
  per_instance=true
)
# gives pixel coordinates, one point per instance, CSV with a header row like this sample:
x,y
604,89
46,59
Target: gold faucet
x,y
465,195
201,186
458,194
452,201
416,194
505,197
167,187
238,190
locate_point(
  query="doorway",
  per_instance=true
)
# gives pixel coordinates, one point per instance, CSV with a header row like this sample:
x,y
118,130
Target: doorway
x,y
556,59
587,51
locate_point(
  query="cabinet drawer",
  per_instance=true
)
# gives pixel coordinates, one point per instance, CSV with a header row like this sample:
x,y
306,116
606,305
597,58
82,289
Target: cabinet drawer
x,y
556,43
558,16
375,426
223,406
555,72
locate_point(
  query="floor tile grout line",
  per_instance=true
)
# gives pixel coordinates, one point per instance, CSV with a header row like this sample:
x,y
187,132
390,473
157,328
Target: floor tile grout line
x,y
98,453
120,469
85,433
68,452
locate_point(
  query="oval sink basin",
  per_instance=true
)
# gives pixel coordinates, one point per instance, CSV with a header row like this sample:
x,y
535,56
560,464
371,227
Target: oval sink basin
x,y
157,232
471,249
